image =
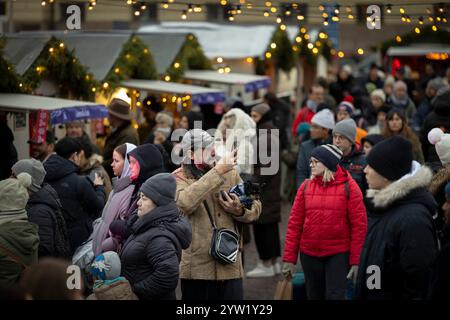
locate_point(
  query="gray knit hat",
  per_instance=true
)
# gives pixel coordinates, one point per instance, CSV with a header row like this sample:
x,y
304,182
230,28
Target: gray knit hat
x,y
347,128
195,139
34,168
261,108
160,188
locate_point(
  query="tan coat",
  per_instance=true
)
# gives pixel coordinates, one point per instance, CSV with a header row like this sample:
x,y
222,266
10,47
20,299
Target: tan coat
x,y
196,263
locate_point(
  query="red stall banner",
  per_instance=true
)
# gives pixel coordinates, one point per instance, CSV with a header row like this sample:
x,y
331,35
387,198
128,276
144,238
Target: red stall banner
x,y
39,134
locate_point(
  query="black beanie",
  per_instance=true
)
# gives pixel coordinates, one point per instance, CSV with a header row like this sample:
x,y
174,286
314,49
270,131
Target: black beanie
x,y
329,155
67,146
391,158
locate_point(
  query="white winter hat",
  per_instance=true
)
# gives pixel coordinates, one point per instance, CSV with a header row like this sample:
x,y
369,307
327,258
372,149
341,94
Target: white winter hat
x,y
441,142
379,93
324,118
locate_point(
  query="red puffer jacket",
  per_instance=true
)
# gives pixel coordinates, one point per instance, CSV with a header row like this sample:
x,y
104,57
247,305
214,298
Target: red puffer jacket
x,y
324,221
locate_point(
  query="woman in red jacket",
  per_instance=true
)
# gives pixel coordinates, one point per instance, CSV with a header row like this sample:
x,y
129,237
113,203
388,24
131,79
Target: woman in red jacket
x,y
328,225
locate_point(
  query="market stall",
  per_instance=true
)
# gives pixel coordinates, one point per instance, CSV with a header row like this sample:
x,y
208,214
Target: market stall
x,y
29,116
246,86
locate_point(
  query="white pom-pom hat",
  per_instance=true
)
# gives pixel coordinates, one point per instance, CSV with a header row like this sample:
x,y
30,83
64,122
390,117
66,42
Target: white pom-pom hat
x,y
441,142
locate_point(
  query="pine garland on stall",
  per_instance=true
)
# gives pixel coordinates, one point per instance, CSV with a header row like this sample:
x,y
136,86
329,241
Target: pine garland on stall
x,y
135,61
190,56
280,50
10,81
59,64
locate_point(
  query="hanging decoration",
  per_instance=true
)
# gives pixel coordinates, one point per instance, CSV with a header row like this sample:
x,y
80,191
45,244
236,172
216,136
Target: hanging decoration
x,y
303,47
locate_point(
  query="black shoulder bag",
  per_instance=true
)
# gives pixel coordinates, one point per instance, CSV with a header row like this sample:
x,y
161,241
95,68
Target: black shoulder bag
x,y
224,243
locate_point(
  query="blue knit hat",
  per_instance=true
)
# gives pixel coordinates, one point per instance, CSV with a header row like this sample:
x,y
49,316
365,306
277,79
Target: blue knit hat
x,y
329,155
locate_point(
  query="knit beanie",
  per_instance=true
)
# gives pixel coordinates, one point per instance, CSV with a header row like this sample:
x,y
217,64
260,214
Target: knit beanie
x,y
195,139
165,118
346,106
164,131
160,188
373,139
391,158
262,108
34,168
14,194
328,154
67,146
379,93
106,266
347,128
324,119
441,142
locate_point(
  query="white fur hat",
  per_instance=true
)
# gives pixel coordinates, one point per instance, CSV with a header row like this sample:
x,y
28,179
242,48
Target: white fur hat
x,y
441,142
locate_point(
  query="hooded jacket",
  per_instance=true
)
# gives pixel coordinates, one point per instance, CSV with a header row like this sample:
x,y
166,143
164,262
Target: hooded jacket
x,y
355,164
244,132
151,256
94,165
401,239
81,201
20,237
327,220
45,210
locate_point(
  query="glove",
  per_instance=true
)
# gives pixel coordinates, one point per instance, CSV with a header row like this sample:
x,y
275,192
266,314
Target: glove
x,y
353,274
288,270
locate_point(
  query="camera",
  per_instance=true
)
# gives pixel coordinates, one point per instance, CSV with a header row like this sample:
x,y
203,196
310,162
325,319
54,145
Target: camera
x,y
247,192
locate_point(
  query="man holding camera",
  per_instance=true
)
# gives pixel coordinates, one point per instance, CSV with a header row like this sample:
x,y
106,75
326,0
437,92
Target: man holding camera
x,y
202,190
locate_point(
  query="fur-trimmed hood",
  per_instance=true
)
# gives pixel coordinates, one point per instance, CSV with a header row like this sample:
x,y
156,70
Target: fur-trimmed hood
x,y
94,161
420,177
439,180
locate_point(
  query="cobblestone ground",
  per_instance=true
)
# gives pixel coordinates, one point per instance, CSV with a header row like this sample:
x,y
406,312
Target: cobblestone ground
x,y
263,288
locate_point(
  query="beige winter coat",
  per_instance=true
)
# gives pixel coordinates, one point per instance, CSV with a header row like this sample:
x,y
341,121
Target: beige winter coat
x,y
196,263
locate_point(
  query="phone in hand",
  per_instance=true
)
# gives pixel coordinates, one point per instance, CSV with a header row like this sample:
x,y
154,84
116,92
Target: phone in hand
x,y
223,195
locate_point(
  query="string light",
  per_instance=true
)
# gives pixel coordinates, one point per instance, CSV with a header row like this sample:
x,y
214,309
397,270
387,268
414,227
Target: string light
x,y
249,60
184,15
273,45
434,28
44,3
402,10
219,59
176,65
283,27
360,51
341,54
389,8
417,30
398,39
268,55
300,17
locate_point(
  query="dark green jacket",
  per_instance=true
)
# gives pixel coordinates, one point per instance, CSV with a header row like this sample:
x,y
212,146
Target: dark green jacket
x,y
21,238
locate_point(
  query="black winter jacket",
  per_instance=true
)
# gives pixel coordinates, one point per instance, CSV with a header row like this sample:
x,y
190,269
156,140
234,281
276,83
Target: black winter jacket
x,y
82,202
151,256
44,209
401,241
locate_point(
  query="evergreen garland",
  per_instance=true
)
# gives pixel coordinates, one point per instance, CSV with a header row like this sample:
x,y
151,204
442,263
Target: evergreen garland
x,y
301,47
427,35
9,80
56,62
190,56
135,61
283,55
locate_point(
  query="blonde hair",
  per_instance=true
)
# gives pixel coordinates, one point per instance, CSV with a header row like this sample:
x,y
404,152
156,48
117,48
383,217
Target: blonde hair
x,y
328,176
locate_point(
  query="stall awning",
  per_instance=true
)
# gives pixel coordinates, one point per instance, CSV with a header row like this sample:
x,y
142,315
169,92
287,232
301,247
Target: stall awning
x,y
225,40
199,95
418,50
61,110
251,82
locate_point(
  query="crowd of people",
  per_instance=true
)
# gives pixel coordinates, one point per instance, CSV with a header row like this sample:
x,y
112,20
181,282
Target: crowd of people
x,y
368,176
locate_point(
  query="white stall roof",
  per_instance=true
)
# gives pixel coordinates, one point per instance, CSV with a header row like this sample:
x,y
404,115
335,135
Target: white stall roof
x,y
418,50
227,41
199,95
250,81
61,110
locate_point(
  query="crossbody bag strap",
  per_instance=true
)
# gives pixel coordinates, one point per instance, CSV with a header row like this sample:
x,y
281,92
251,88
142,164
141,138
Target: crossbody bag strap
x,y
213,224
13,257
